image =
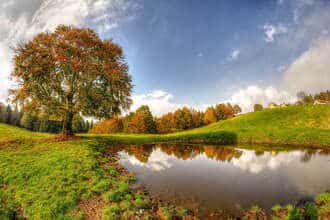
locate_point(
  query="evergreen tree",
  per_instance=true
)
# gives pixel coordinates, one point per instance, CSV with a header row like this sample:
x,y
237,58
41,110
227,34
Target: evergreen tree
x,y
8,115
183,119
2,113
29,122
78,124
141,121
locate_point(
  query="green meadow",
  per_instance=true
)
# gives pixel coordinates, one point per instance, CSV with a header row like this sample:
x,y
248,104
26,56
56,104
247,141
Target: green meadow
x,y
45,178
307,125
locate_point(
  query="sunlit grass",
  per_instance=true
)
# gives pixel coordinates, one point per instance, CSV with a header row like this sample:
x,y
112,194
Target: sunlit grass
x,y
9,132
307,125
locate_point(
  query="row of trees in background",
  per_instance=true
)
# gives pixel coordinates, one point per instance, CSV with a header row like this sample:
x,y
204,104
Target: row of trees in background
x,y
41,122
142,120
303,98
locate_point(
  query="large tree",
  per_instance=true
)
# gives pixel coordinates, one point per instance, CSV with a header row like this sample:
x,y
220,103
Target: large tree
x,y
142,121
72,71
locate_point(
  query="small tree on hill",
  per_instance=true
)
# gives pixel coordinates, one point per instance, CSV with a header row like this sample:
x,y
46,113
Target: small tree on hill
x,y
183,119
142,121
257,107
108,126
72,71
210,116
165,123
237,109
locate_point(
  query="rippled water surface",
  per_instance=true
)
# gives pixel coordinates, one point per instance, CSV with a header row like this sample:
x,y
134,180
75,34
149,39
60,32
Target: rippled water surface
x,y
210,178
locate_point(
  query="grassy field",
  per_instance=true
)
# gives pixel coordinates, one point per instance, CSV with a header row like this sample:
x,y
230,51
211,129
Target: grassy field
x,y
307,125
42,178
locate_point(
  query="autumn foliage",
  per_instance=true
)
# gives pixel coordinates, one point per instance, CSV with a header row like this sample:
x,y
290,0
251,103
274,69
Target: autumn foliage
x,y
113,125
69,72
142,120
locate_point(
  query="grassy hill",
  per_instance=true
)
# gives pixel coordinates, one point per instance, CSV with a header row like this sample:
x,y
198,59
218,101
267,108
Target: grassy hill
x,y
307,125
295,125
12,133
42,177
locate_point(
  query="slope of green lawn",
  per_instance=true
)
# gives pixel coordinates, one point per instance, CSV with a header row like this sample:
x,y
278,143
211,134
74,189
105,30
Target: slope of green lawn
x,y
10,133
42,178
307,125
294,125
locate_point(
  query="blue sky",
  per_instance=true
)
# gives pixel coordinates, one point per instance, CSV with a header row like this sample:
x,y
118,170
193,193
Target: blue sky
x,y
189,52
186,47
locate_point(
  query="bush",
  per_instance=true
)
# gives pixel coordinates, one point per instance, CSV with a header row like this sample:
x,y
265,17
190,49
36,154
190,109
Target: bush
x,y
116,195
112,196
141,201
294,214
110,213
311,212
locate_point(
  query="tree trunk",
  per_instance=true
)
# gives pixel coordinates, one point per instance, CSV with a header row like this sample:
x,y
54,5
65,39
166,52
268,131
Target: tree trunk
x,y
67,124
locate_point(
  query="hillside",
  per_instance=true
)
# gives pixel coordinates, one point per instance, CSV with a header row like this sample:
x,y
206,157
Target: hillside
x,y
307,125
44,178
12,133
295,125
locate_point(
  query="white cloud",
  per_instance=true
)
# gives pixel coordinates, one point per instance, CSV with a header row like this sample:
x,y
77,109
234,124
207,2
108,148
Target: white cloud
x,y
311,71
249,162
159,101
21,20
200,54
234,54
247,97
271,31
157,161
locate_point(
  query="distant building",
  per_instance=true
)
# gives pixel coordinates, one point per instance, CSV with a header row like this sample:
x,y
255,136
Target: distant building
x,y
272,105
321,102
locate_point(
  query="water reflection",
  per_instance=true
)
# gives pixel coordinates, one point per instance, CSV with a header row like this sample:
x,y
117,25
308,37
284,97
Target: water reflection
x,y
229,178
157,156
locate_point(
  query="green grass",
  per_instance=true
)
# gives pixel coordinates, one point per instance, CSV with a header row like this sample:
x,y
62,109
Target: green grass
x,y
294,125
11,133
219,137
42,178
48,179
307,125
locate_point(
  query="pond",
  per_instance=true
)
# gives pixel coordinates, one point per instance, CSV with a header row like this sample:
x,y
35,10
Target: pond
x,y
214,178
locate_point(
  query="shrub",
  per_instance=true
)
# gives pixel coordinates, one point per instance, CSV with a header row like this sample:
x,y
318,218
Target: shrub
x,y
141,201
112,196
294,214
276,209
311,212
165,213
110,213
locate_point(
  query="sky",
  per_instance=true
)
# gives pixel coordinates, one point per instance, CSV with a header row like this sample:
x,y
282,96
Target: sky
x,y
191,52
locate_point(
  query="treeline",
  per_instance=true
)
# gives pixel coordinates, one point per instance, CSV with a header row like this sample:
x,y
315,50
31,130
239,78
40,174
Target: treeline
x,y
142,120
322,97
303,99
41,122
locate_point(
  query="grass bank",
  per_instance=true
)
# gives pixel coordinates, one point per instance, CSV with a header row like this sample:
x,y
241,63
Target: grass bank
x,y
218,137
41,178
307,125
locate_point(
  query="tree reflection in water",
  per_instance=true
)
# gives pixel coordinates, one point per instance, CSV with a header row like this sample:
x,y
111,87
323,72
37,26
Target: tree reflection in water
x,y
142,152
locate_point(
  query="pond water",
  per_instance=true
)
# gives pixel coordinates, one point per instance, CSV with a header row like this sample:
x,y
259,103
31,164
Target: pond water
x,y
212,178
